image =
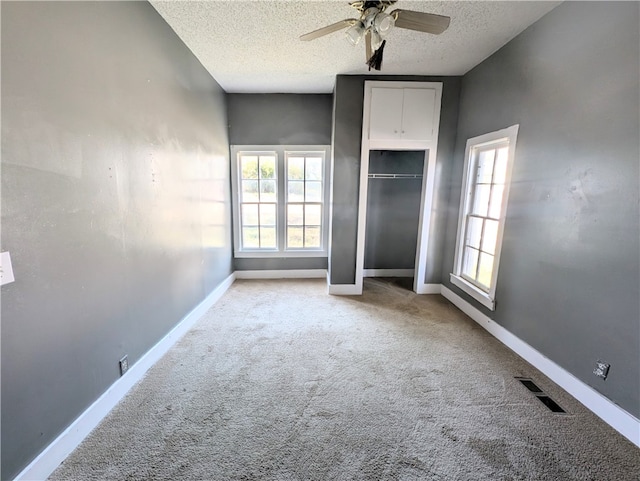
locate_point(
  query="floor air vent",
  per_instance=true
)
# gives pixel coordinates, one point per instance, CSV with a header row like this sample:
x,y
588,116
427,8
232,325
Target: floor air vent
x,y
546,400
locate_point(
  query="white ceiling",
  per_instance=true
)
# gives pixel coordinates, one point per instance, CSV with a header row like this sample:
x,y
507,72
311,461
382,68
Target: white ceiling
x,y
253,46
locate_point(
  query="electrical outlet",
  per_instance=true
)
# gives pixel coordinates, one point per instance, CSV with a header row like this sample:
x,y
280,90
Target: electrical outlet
x,y
124,365
602,369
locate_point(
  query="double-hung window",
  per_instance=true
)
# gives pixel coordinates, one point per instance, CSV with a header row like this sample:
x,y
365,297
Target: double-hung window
x,y
280,200
485,190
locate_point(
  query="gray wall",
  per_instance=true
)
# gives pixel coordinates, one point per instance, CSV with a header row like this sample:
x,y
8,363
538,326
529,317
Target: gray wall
x,y
279,119
115,203
569,272
393,210
347,142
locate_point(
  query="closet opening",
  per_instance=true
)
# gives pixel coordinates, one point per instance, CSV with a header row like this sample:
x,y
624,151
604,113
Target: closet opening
x,y
395,185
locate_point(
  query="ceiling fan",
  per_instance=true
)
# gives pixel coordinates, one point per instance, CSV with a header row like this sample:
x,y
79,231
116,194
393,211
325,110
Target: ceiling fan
x,y
374,24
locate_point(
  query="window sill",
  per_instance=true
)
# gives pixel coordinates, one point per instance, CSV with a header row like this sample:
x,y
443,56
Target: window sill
x,y
279,254
468,288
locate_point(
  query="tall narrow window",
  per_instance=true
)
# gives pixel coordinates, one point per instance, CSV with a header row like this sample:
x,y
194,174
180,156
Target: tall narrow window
x,y
488,161
305,177
280,197
258,199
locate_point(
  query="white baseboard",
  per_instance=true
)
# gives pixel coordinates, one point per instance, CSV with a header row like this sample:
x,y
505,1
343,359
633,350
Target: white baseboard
x,y
283,274
49,459
429,289
389,273
356,290
345,289
616,417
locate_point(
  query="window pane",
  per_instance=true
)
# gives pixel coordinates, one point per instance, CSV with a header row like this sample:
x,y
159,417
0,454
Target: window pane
x,y
294,237
313,215
267,214
312,237
481,200
250,237
470,262
250,191
267,237
474,231
314,168
500,174
486,269
267,167
314,192
295,168
268,191
296,191
495,207
485,166
490,236
249,214
294,214
249,166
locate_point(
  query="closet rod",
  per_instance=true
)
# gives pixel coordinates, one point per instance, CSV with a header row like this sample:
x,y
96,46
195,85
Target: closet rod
x,y
395,176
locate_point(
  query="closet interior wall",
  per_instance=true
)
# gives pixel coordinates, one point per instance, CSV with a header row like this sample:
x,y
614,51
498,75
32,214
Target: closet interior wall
x,y
393,209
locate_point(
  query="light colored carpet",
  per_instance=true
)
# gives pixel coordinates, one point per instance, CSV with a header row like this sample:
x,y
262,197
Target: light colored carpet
x,y
280,381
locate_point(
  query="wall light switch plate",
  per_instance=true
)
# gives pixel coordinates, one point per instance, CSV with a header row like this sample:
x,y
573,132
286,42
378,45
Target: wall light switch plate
x,y
6,270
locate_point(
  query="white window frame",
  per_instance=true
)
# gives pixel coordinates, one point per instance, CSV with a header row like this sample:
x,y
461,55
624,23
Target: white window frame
x,y
281,151
508,136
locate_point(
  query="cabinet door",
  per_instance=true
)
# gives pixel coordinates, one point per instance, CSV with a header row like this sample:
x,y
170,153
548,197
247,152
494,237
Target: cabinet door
x,y
385,118
417,114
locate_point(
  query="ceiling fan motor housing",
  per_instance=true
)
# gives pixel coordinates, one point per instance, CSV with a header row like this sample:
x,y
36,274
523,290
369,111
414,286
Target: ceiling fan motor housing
x,y
379,4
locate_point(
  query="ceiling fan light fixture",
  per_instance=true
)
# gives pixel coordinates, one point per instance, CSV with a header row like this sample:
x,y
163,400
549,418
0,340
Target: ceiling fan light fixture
x,y
355,33
383,23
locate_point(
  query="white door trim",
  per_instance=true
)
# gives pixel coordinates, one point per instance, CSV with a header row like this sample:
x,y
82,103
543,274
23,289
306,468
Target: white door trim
x,y
426,204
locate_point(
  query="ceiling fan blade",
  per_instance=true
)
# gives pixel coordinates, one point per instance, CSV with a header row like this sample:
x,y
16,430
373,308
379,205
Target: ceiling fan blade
x,y
420,21
334,27
367,41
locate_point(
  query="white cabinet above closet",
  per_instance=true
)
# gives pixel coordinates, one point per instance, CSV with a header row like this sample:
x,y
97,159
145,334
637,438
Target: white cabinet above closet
x,y
402,114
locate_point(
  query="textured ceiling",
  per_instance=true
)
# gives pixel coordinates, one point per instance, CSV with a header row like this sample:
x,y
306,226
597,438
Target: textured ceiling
x,y
253,46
